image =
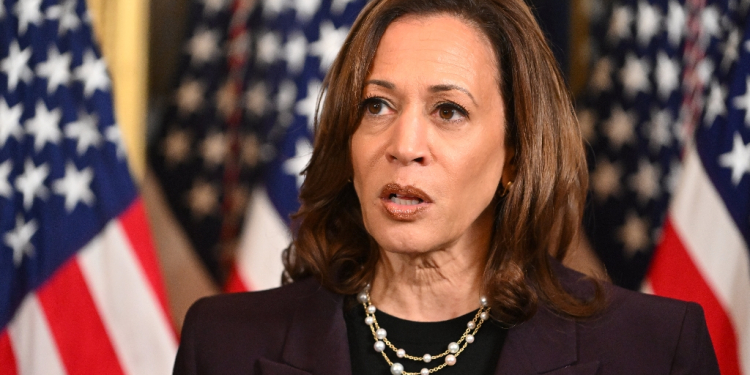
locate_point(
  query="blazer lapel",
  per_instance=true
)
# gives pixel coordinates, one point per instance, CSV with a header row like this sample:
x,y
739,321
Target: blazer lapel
x,y
317,341
545,344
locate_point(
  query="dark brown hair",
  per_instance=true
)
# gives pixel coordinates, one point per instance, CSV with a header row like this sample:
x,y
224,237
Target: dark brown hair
x,y
539,217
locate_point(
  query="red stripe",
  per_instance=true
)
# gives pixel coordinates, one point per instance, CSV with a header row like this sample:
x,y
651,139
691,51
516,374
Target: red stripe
x,y
135,224
75,324
234,283
7,358
673,274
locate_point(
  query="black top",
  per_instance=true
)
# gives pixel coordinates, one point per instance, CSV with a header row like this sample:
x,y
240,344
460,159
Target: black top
x,y
418,338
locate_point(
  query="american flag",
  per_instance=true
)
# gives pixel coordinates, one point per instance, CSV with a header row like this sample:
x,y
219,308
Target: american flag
x,y
702,240
80,288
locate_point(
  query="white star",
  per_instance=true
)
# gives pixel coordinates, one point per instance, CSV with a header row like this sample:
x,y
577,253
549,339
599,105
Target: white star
x,y
328,44
6,188
295,52
743,102
272,8
339,6
601,78
56,69
731,50
715,104
75,186
306,9
85,130
203,199
203,47
605,179
19,239
2,10
667,75
268,47
645,182
620,127
710,25
634,76
31,183
747,46
15,66
44,126
704,70
673,177
66,14
214,149
738,159
295,165
649,22
587,122
28,12
211,7
634,234
287,95
619,26
93,73
10,122
176,147
189,96
114,136
307,106
256,99
659,133
676,23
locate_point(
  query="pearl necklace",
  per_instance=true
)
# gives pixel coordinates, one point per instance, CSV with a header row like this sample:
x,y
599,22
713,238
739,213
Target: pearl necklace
x,y
450,354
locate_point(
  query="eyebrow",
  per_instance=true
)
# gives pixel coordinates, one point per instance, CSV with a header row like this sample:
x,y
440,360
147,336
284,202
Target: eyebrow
x,y
433,89
377,82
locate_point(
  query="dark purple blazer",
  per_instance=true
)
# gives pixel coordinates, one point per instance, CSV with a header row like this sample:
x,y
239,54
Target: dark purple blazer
x,y
299,329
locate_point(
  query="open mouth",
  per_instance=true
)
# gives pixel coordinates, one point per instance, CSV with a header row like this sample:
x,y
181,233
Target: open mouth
x,y
404,195
404,200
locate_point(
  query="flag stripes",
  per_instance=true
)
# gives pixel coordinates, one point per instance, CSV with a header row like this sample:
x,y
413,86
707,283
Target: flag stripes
x,y
7,360
33,345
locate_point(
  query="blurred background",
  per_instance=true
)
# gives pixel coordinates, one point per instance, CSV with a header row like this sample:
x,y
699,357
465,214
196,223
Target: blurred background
x,y
214,101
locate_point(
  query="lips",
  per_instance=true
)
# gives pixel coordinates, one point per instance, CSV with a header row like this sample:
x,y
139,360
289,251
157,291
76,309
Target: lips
x,y
404,203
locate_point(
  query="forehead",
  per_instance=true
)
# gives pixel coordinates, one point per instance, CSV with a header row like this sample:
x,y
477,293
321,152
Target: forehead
x,y
441,41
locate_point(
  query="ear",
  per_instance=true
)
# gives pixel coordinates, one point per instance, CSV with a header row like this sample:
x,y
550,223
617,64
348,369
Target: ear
x,y
509,167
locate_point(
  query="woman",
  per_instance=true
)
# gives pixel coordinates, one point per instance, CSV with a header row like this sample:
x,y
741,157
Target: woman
x,y
447,181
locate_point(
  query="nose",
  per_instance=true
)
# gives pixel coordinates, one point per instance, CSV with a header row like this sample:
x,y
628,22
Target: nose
x,y
409,139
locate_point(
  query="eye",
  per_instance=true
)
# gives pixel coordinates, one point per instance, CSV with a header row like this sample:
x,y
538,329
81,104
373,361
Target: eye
x,y
375,106
451,112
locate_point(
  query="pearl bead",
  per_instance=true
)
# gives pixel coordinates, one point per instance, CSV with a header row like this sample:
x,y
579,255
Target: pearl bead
x,y
362,297
424,372
453,348
397,369
470,339
380,333
379,346
371,309
483,300
471,325
427,358
400,353
484,315
369,320
450,360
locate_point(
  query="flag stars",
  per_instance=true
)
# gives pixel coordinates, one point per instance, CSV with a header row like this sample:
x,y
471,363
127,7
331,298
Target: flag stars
x,y
328,45
226,97
659,133
15,66
339,6
85,130
31,183
738,160
75,187
44,126
6,188
606,180
56,69
287,95
676,23
731,50
203,199
214,149
250,151
295,52
203,46
709,19
114,136
601,78
190,96
295,165
634,234
269,45
211,7
19,239
307,106
645,182
619,128
93,73
743,102
619,26
306,9
715,104
66,15
667,75
28,12
256,99
634,76
649,22
10,122
176,147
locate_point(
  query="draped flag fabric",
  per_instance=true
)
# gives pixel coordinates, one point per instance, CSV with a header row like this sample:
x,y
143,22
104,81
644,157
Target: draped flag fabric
x,y
668,118
80,287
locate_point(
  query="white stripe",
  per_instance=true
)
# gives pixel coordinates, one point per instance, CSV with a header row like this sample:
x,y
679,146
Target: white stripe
x,y
138,328
264,238
33,344
716,246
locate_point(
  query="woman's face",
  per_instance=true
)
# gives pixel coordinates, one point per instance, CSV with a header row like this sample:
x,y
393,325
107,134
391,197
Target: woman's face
x,y
429,152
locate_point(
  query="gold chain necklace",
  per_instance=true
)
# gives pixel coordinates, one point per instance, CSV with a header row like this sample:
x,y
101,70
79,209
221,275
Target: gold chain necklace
x,y
451,353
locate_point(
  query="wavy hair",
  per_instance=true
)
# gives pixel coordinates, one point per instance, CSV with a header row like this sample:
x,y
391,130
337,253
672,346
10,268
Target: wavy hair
x,y
540,216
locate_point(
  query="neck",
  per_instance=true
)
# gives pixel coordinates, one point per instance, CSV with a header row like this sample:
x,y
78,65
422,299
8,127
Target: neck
x,y
434,286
